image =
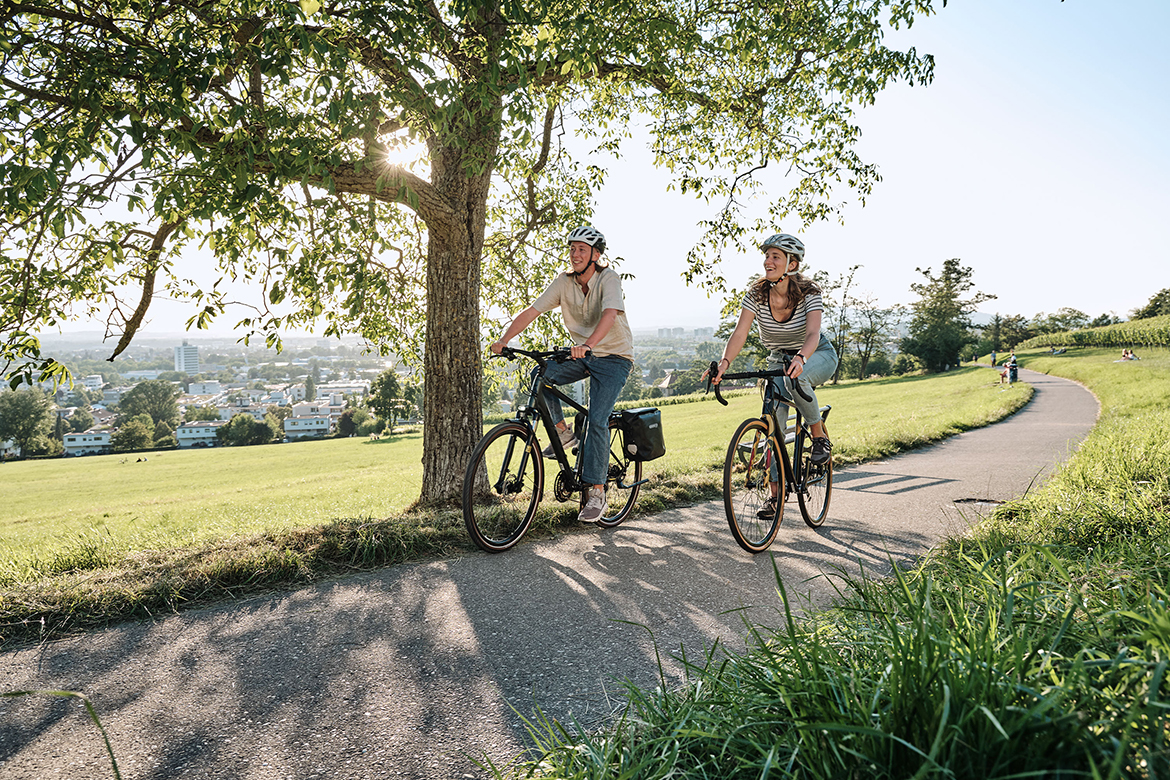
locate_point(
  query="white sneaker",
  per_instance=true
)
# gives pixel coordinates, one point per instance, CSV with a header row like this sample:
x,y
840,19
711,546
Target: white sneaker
x,y
568,441
594,506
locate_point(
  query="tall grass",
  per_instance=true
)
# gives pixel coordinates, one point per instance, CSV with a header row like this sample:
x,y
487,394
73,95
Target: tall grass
x,y
1036,647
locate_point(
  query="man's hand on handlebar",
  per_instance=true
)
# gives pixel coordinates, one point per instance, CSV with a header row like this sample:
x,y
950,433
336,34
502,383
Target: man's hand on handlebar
x,y
578,352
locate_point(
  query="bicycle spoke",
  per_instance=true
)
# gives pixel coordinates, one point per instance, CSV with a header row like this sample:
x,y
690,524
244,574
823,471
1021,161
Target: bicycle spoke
x,y
748,474
619,500
502,487
815,485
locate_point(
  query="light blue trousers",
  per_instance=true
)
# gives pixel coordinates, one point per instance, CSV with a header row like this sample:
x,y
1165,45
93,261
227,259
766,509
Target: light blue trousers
x,y
818,369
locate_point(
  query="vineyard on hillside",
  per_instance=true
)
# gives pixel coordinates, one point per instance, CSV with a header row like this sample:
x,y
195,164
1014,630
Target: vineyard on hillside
x,y
1150,332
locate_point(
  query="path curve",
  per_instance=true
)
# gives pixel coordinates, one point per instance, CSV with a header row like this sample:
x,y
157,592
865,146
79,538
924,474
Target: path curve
x,y
402,672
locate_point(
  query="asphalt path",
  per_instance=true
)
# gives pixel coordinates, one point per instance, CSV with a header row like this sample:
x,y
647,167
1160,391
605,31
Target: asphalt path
x,y
416,670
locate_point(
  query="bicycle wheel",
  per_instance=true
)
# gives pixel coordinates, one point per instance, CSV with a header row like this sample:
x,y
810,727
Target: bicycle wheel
x,y
622,471
746,487
814,483
502,486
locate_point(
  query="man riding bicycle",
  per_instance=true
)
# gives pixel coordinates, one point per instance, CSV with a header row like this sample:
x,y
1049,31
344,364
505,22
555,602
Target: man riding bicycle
x,y
594,310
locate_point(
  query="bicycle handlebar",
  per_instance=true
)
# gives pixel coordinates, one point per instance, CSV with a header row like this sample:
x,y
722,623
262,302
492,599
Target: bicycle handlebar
x,y
556,354
714,369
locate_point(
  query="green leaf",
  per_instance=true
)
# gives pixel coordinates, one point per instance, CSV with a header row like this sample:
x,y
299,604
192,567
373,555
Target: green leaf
x,y
310,7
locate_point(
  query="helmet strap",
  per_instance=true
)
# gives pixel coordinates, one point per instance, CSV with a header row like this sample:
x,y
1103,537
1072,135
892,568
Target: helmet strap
x,y
585,270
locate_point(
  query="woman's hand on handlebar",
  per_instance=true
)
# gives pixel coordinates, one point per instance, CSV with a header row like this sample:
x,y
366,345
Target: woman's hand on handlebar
x,y
795,366
716,371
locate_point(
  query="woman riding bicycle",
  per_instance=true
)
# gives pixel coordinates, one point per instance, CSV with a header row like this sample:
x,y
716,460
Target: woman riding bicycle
x,y
591,302
787,307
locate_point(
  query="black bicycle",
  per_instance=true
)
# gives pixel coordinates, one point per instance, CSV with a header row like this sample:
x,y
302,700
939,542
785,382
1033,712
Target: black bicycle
x,y
504,482
763,450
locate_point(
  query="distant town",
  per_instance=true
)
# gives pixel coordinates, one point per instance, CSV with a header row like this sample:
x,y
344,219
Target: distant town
x,y
314,388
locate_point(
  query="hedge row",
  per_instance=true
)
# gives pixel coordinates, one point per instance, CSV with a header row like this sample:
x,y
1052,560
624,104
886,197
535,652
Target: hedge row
x,y
491,419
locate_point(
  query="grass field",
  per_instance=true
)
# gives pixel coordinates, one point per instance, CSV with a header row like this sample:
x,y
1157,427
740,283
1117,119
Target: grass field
x,y
97,539
184,497
180,498
1037,646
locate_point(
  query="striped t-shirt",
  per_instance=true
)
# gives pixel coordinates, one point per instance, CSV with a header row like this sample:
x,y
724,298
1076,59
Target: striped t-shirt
x,y
783,335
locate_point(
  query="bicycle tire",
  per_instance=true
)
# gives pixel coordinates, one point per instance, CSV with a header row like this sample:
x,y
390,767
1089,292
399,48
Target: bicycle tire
x,y
746,486
814,484
502,487
622,469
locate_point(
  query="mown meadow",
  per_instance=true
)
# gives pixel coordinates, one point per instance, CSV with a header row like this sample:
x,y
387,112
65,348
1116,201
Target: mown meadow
x,y
1036,646
103,538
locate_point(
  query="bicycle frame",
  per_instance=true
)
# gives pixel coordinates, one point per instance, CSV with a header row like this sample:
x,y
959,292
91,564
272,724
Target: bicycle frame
x,y
536,408
778,435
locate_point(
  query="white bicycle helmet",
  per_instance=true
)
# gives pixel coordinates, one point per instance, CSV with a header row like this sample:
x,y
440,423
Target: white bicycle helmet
x,y
789,245
590,235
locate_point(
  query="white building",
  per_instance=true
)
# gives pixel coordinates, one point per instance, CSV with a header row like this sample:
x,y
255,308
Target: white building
x,y
307,426
198,434
88,443
257,412
93,382
204,388
187,359
112,395
310,408
343,388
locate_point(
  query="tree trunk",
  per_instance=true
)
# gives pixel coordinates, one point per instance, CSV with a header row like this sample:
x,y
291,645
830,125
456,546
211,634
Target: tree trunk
x,y
453,362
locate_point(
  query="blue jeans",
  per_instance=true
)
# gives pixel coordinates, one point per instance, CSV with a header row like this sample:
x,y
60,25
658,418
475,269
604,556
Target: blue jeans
x,y
607,375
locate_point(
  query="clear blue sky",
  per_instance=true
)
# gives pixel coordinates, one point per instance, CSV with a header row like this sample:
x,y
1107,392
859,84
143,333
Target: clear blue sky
x,y
1038,157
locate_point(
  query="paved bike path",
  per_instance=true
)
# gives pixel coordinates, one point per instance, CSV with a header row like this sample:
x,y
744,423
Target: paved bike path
x,y
403,672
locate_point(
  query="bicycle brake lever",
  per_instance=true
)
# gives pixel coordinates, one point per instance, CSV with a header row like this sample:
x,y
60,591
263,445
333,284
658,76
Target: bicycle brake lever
x,y
796,386
711,371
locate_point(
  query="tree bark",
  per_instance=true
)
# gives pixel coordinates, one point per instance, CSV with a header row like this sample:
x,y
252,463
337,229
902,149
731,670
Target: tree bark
x,y
453,360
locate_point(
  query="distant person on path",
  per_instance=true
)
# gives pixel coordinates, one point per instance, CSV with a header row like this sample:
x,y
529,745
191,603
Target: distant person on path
x,y
594,309
993,358
787,307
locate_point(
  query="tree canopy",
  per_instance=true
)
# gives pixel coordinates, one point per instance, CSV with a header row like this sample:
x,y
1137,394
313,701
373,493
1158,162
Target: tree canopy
x,y
134,435
940,325
26,416
397,169
244,430
1158,305
155,398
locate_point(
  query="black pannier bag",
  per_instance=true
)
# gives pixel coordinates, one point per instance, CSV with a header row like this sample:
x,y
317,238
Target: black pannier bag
x,y
642,433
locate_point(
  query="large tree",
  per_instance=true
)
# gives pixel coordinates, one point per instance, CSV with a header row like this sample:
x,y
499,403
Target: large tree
x,y
154,397
134,435
940,325
871,329
26,416
1158,305
278,137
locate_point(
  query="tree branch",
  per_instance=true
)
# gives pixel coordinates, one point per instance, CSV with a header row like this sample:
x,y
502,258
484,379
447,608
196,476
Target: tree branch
x,y
132,325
